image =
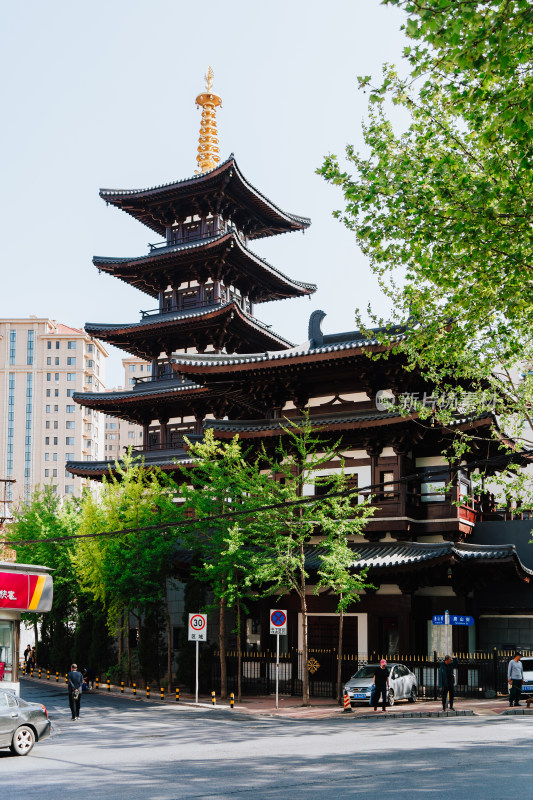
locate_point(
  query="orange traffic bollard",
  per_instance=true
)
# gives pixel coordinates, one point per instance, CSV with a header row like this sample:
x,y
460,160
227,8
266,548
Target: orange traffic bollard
x,y
347,707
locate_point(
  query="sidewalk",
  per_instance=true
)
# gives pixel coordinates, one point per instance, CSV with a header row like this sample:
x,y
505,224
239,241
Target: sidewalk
x,y
319,708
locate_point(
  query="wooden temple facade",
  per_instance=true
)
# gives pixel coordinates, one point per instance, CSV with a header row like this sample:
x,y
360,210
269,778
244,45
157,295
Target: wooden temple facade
x,y
215,365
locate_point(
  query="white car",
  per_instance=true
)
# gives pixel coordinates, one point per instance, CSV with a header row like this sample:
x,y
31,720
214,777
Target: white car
x,y
402,684
527,666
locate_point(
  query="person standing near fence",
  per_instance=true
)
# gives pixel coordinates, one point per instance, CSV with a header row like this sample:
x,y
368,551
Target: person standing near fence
x,y
447,682
515,678
381,685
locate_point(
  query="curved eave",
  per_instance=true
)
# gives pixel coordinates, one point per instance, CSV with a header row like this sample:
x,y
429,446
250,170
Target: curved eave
x,y
256,362
262,428
130,404
136,337
96,470
142,271
226,177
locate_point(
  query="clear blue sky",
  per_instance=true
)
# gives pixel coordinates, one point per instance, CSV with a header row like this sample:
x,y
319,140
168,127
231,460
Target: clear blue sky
x,y
101,94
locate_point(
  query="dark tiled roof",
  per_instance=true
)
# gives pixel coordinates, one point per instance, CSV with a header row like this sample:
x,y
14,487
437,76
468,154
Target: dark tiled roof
x,y
174,318
157,458
330,420
141,390
352,341
164,254
196,184
383,555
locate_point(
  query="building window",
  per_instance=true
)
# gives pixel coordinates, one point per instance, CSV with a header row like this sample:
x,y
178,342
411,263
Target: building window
x,y
54,473
47,473
56,392
90,363
69,441
70,424
47,440
54,456
69,456
48,392
70,409
47,456
48,376
89,378
388,491
48,409
71,376
29,412
71,361
56,409
56,376
12,347
55,440
132,381
90,348
29,349
49,345
112,426
71,345
132,367
57,345
69,489
131,435
70,392
57,361
56,424
49,361
111,436
47,424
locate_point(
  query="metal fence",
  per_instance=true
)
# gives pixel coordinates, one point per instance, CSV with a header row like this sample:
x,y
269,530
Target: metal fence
x,y
478,674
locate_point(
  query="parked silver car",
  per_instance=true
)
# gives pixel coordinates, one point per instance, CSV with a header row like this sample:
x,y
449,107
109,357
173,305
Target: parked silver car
x,y
402,684
21,723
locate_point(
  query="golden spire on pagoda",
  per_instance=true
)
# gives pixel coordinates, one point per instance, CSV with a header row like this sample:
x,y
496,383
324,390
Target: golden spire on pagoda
x,y
208,150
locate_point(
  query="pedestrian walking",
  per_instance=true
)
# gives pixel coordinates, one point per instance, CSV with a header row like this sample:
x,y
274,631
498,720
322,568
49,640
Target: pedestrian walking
x,y
27,653
74,682
447,681
381,685
515,678
90,676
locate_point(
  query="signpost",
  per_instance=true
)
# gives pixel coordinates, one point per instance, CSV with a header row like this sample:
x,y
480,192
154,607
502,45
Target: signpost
x,y
197,633
278,627
451,619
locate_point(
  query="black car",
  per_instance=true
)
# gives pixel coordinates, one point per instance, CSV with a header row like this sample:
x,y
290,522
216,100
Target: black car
x,y
21,723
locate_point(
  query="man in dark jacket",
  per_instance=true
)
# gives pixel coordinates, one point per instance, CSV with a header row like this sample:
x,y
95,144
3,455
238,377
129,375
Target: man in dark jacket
x,y
74,683
447,681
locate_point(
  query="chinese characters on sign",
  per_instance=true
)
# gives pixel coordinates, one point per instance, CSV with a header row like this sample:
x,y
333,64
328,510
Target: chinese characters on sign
x,y
454,619
197,627
23,591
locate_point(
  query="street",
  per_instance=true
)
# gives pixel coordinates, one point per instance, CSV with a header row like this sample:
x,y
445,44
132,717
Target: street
x,y
125,748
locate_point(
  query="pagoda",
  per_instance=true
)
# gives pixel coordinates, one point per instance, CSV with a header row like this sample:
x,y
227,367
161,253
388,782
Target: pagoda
x,y
206,281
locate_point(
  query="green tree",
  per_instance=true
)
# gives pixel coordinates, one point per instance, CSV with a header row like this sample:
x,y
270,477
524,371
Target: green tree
x,y
337,523
222,480
37,520
128,573
443,208
284,535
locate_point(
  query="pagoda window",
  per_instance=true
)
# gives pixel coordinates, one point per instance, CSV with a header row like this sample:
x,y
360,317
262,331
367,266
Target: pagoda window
x,y
387,492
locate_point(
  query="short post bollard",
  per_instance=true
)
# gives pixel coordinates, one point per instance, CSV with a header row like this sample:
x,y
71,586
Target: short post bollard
x,y
31,673
347,706
162,693
177,695
147,692
232,700
213,699
134,689
122,687
108,685
57,676
39,673
47,674
96,684
66,677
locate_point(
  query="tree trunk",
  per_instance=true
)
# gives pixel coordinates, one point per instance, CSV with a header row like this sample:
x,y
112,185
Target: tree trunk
x,y
305,653
120,631
222,648
239,653
169,638
128,647
340,698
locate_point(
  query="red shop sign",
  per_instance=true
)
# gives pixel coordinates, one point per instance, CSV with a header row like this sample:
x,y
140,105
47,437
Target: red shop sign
x,y
24,591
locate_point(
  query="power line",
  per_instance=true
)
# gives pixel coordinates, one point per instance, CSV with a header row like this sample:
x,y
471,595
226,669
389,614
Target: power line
x,y
494,461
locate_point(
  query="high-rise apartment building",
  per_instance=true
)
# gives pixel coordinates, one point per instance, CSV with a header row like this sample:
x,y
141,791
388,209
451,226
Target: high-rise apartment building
x,y
42,364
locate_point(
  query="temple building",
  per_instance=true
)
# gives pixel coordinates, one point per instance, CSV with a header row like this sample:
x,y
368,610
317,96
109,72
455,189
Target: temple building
x,y
215,365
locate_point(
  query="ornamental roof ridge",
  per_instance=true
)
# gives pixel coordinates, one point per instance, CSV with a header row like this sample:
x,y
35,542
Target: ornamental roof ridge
x,y
133,394
109,193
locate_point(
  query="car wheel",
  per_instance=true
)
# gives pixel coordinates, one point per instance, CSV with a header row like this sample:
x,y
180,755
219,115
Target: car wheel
x,y
390,698
23,741
412,697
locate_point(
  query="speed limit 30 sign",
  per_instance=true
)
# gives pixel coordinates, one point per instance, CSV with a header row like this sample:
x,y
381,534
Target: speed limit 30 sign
x,y
197,627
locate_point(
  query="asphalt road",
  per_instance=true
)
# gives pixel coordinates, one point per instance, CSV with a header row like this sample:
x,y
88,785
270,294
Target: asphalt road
x,y
122,748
